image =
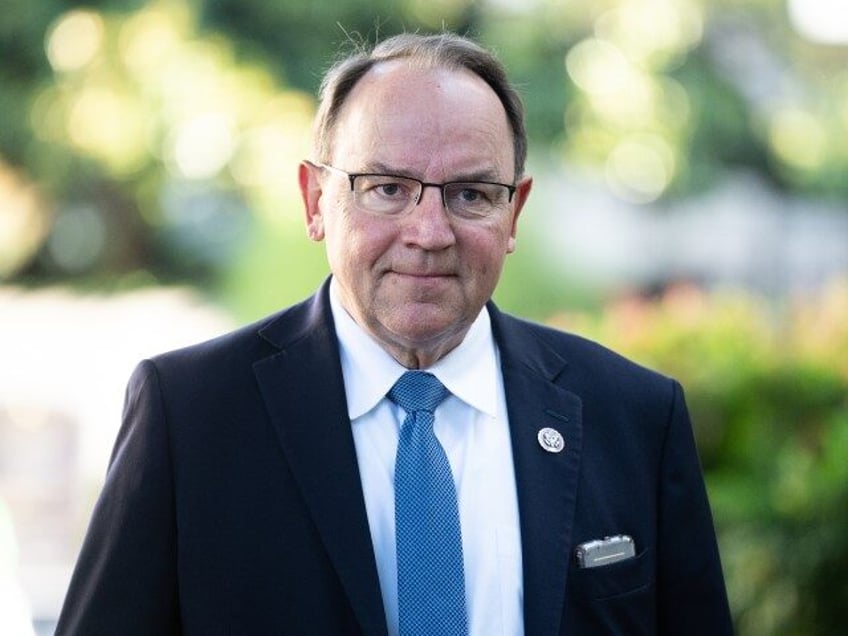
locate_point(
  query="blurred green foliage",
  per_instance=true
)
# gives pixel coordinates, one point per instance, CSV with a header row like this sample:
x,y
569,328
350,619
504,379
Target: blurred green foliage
x,y
768,393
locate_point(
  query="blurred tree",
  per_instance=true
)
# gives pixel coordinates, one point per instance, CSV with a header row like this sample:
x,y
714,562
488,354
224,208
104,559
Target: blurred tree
x,y
659,97
299,38
158,131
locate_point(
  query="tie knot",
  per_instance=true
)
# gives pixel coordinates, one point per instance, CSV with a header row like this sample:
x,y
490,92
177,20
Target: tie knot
x,y
418,391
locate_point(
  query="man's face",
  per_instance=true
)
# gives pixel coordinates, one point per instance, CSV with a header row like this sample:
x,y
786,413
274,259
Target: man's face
x,y
415,283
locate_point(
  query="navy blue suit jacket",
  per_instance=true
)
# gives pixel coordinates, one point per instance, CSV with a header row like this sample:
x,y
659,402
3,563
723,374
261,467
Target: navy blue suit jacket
x,y
233,504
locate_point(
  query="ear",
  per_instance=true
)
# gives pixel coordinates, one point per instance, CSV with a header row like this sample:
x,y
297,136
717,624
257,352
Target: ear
x,y
310,192
522,191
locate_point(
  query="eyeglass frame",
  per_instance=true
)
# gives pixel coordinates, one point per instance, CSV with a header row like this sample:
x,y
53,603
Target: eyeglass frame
x,y
352,176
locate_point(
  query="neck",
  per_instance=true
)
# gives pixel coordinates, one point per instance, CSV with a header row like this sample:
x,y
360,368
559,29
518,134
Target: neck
x,y
421,357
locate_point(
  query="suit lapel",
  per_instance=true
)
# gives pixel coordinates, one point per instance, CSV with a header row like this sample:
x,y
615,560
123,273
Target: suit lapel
x,y
546,482
303,389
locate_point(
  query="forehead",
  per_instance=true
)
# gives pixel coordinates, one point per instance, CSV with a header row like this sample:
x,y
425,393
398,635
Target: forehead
x,y
424,120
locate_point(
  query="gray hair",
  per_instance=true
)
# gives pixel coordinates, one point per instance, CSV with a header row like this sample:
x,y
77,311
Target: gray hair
x,y
444,50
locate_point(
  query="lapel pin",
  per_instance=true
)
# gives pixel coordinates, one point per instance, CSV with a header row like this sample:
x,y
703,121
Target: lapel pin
x,y
551,440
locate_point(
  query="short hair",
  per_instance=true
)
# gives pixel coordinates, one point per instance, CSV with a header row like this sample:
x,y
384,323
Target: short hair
x,y
444,50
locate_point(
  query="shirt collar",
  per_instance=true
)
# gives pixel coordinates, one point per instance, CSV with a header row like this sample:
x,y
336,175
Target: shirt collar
x,y
470,371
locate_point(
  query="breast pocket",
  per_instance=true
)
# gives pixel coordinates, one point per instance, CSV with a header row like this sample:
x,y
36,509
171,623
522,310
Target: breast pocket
x,y
629,577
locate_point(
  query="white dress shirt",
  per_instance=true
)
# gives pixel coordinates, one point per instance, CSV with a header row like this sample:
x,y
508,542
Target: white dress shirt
x,y
471,424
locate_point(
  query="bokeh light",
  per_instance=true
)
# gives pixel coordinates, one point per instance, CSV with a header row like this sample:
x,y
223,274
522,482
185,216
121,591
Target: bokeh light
x,y
798,138
109,125
823,21
656,34
201,146
152,36
74,40
640,168
24,221
174,102
631,118
77,238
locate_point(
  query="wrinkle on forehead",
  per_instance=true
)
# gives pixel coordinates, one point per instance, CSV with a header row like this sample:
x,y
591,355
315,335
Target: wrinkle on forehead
x,y
430,123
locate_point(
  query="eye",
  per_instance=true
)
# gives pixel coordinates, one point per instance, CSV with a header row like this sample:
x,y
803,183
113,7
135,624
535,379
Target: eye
x,y
473,196
475,199
389,189
470,194
384,187
385,194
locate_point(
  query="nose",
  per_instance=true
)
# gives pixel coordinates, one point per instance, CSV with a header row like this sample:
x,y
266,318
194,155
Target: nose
x,y
435,186
429,224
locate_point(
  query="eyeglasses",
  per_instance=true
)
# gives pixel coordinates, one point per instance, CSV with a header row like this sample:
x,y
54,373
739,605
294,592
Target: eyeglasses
x,y
394,196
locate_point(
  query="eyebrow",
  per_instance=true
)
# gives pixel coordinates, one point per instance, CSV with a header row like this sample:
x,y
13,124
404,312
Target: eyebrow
x,y
378,167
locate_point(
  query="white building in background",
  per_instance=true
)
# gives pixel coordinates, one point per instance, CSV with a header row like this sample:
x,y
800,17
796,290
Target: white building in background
x,y
740,234
64,363
16,615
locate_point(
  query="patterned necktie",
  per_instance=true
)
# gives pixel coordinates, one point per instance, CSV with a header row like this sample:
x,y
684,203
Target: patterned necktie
x,y
431,580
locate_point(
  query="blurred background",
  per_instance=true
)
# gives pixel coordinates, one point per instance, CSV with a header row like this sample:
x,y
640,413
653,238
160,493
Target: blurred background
x,y
690,210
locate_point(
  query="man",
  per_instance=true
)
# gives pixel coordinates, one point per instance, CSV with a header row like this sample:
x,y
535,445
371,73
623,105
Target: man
x,y
273,481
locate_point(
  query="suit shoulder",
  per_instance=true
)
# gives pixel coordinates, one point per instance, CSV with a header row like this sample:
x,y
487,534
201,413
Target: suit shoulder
x,y
225,344
243,345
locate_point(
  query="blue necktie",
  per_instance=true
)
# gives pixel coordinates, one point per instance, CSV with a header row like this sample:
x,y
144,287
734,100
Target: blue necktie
x,y
431,580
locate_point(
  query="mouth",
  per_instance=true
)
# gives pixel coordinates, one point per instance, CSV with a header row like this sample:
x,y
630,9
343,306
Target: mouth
x,y
423,275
